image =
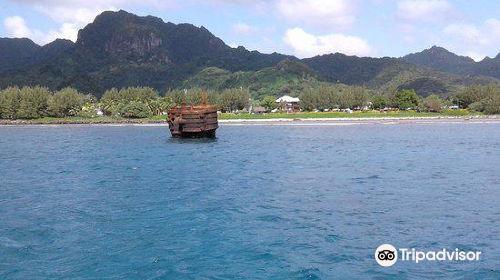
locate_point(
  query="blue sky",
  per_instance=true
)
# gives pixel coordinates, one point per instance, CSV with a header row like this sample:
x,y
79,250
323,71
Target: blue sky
x,y
299,27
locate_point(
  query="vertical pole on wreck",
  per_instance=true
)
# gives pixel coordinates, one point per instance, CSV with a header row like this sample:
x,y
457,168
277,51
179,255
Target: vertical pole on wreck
x,y
204,98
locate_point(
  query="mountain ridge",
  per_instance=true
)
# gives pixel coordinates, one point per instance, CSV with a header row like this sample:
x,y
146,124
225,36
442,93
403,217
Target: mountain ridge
x,y
120,49
441,59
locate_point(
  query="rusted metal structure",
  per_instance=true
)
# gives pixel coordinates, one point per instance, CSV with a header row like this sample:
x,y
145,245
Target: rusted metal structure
x,y
193,121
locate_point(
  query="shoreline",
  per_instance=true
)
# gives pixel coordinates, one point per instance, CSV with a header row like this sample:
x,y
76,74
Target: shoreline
x,y
271,121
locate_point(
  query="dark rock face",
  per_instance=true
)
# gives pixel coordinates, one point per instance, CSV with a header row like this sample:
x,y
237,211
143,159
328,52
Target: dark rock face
x,y
139,46
15,51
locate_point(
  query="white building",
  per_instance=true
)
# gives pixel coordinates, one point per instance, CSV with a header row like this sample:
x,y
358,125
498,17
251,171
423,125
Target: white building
x,y
288,103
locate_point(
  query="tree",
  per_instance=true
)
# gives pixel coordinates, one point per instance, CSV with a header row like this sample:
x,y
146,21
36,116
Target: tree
x,y
177,96
193,96
489,105
326,97
66,102
308,100
379,102
390,96
34,102
433,103
233,99
109,99
344,99
474,93
10,99
268,102
359,96
135,109
352,96
407,99
492,104
160,105
140,94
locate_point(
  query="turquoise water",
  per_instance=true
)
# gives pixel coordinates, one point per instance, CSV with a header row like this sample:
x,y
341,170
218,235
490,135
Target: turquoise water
x,y
258,202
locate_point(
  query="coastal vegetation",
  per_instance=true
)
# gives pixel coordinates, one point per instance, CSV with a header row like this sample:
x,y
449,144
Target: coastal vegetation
x,y
474,98
131,102
323,101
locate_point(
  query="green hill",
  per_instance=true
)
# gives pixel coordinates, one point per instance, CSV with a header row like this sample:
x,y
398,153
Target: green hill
x,y
287,77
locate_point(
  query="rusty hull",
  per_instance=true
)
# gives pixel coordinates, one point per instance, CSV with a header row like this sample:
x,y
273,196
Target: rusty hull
x,y
193,121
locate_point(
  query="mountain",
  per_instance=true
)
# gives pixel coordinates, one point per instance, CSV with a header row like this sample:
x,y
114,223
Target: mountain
x,y
120,49
50,51
18,53
14,51
381,73
440,59
488,67
340,68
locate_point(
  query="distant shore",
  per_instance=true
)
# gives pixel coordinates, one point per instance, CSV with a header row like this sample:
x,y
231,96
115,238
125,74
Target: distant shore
x,y
263,121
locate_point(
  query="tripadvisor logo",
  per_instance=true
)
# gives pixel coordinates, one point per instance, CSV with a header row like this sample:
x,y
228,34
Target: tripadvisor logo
x,y
387,255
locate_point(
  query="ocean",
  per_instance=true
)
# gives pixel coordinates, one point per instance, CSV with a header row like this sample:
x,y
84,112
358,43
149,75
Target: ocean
x,y
257,202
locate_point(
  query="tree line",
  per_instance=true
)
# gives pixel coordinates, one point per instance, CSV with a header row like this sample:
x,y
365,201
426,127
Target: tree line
x,y
141,102
37,102
476,98
132,102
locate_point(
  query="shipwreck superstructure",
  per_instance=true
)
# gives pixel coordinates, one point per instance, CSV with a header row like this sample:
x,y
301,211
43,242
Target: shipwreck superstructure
x,y
193,121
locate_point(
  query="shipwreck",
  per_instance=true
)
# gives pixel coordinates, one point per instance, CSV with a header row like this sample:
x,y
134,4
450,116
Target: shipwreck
x,y
193,121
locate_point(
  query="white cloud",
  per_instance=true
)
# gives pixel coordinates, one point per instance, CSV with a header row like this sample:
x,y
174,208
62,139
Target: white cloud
x,y
71,20
493,25
78,16
16,27
306,45
70,15
318,13
424,10
473,40
242,28
466,32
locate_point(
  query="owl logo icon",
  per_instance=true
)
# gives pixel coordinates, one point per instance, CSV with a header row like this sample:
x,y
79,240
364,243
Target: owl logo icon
x,y
386,255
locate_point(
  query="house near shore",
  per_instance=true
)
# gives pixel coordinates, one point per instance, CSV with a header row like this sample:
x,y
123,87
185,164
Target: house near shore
x,y
288,103
259,110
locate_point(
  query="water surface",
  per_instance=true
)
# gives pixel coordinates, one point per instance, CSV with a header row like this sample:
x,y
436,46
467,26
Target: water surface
x,y
259,202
